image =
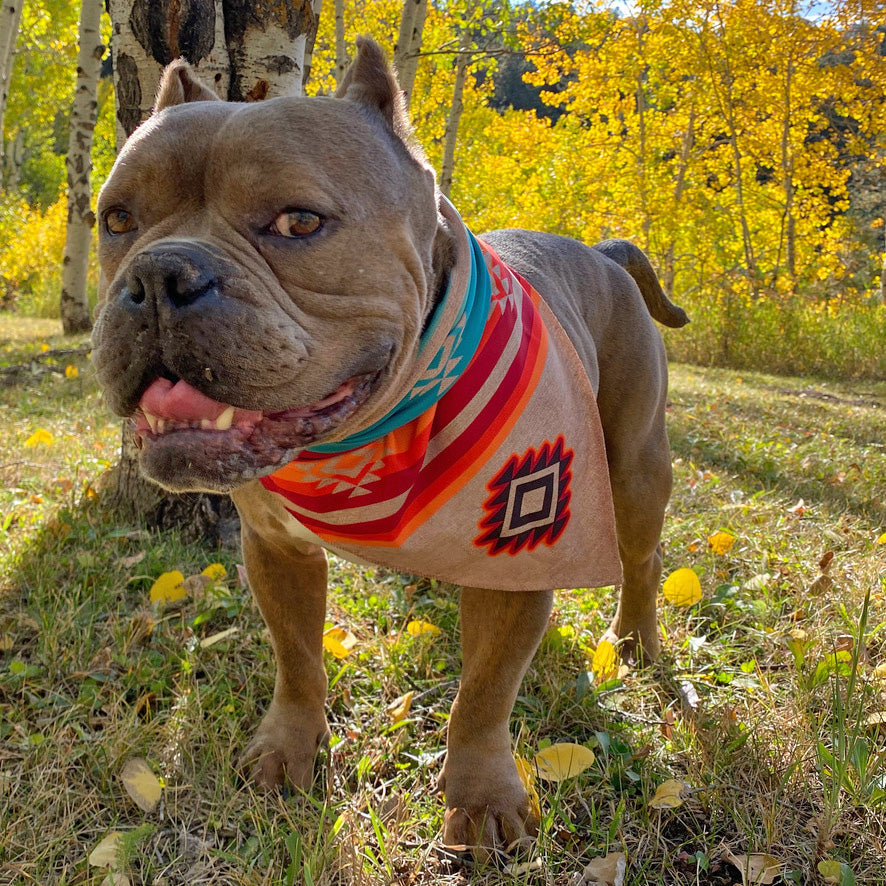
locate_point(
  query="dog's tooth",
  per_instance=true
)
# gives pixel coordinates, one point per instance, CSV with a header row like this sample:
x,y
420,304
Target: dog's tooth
x,y
226,419
161,426
206,424
152,420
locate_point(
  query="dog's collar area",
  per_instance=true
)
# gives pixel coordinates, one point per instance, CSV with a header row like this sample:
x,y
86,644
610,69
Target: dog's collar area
x,y
445,366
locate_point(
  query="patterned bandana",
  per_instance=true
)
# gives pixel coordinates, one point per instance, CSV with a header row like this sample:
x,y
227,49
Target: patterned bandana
x,y
491,470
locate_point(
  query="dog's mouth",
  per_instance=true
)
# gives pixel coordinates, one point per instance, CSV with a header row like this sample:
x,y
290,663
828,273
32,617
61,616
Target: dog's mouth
x,y
190,441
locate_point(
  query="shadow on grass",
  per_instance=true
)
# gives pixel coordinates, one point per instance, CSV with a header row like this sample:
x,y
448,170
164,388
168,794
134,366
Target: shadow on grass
x,y
823,448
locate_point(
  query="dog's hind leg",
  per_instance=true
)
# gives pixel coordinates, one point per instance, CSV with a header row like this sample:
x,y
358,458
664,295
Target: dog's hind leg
x,y
641,481
486,804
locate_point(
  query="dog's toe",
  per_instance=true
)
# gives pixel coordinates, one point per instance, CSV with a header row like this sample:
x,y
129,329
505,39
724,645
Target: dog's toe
x,y
488,833
284,748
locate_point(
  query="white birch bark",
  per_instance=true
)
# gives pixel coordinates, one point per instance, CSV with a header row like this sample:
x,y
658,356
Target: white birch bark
x,y
10,19
341,55
450,138
81,220
149,34
269,43
408,46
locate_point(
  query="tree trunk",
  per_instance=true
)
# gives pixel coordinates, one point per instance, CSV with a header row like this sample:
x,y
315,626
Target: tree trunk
x,y
10,19
686,144
268,41
408,46
722,83
341,55
81,219
148,34
450,138
246,50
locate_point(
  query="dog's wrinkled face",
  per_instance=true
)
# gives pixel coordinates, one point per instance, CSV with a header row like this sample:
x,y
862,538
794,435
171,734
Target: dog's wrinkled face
x,y
267,269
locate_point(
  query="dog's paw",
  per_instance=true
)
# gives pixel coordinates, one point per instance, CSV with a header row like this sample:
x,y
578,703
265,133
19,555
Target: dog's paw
x,y
487,810
284,747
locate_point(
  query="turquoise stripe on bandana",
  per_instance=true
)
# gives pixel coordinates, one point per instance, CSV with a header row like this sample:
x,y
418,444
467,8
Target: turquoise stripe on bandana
x,y
448,363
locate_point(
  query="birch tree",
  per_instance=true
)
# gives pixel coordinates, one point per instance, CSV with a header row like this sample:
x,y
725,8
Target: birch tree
x,y
10,19
81,219
407,49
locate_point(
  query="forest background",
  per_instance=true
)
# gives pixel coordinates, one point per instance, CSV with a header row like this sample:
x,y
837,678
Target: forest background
x,y
741,144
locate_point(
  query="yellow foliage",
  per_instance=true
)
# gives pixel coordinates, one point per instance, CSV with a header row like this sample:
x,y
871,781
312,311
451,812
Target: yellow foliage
x,y
32,241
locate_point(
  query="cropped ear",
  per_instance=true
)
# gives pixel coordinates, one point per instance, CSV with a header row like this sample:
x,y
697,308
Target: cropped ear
x,y
179,84
371,81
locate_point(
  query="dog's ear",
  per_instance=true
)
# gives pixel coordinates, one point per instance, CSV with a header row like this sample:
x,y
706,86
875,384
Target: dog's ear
x,y
371,81
179,84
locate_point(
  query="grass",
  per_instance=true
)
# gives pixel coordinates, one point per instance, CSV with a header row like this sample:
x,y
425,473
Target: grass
x,y
758,703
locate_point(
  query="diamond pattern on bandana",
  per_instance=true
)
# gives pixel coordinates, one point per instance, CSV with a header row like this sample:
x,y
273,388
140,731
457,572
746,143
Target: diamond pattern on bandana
x,y
529,500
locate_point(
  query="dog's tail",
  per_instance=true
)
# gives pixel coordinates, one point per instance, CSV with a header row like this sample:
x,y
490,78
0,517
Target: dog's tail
x,y
634,261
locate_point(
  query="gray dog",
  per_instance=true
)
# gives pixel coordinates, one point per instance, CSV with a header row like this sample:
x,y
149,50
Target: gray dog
x,y
292,314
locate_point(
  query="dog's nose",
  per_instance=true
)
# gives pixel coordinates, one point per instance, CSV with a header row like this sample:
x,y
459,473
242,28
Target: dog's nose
x,y
177,274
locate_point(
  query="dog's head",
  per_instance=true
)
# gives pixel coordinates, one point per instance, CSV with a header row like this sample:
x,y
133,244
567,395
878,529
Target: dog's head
x,y
266,273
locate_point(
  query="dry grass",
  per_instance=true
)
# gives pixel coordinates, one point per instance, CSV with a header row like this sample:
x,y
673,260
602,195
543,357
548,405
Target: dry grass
x,y
86,681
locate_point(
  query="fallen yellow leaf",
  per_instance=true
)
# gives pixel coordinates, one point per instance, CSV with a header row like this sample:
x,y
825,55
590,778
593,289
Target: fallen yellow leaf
x,y
721,542
104,855
168,588
40,437
880,541
605,662
71,371
116,878
215,572
141,784
524,770
831,871
44,347
756,870
608,870
668,795
418,628
339,642
562,761
682,587
398,709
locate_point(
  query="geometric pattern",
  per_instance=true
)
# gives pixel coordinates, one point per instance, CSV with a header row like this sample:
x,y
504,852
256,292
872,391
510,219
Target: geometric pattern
x,y
529,500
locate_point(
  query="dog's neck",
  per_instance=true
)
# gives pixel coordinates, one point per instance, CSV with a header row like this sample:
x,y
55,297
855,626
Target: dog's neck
x,y
466,308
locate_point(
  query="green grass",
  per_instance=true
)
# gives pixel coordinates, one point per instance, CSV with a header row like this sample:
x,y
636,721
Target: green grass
x,y
758,702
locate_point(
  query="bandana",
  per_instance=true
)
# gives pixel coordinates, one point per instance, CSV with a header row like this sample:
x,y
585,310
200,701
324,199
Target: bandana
x,y
490,471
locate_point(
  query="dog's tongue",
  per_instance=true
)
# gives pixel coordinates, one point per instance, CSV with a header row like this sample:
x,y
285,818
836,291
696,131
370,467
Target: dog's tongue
x,y
179,402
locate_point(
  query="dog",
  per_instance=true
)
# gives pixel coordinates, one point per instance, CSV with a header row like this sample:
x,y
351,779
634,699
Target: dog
x,y
291,312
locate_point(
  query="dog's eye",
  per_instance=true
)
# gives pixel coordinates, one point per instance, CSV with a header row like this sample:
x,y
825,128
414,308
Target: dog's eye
x,y
119,221
297,223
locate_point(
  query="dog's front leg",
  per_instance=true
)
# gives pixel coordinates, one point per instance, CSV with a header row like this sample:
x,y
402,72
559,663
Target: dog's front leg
x,y
289,584
486,803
